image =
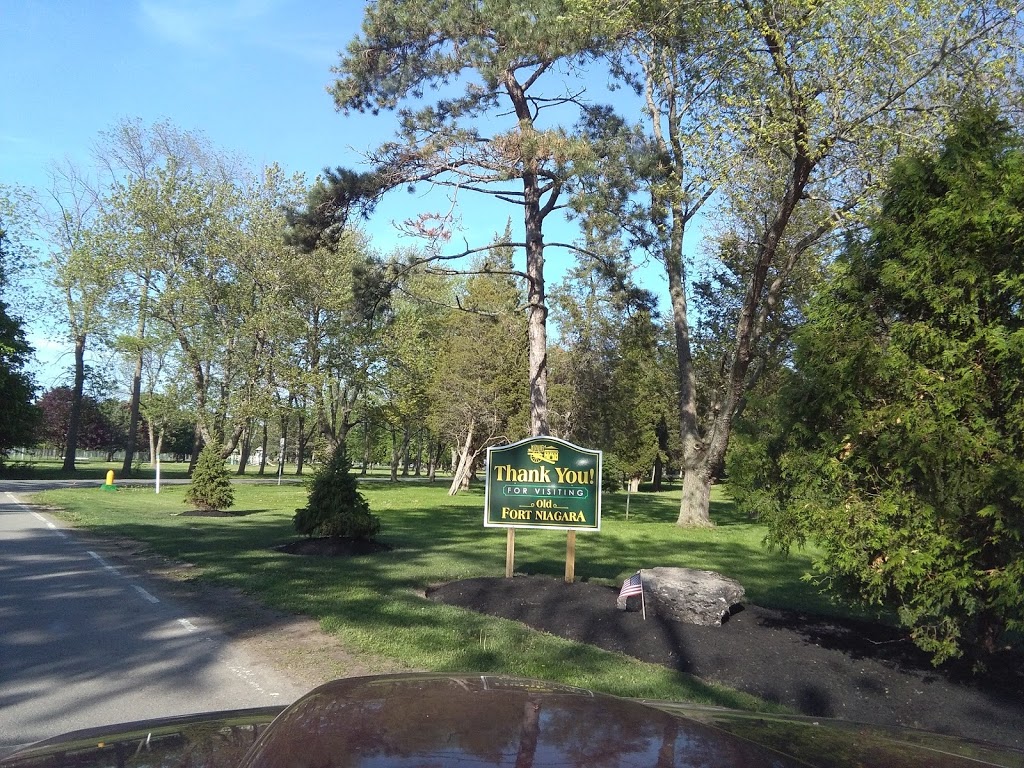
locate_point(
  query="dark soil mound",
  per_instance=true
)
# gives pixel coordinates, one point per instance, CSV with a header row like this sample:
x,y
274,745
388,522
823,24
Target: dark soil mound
x,y
817,666
336,546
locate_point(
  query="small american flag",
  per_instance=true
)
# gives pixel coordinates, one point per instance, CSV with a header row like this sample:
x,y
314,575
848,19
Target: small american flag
x,y
634,585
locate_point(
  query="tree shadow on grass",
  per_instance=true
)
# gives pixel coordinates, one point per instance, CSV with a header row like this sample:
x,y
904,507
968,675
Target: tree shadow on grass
x,y
221,512
333,546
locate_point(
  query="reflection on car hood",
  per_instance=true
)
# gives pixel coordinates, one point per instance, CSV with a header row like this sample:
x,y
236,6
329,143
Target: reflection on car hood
x,y
480,720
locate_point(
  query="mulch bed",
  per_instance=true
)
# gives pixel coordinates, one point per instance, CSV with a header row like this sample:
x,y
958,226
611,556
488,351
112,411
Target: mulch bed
x,y
333,547
816,666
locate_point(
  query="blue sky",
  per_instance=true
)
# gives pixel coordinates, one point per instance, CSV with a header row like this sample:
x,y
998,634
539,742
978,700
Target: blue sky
x,y
249,74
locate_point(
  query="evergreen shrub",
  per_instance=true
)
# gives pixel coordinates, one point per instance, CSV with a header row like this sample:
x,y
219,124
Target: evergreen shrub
x,y
211,483
335,507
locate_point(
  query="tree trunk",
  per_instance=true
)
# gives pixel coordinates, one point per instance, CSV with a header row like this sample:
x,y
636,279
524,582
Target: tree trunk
x,y
462,469
133,418
301,440
75,417
366,445
469,476
334,410
533,222
696,501
536,319
406,454
435,459
136,394
417,466
197,446
244,451
283,444
263,450
689,432
396,455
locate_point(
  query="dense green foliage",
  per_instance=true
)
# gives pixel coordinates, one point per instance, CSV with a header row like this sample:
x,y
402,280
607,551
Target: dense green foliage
x,y
478,377
17,416
612,376
211,484
902,448
335,506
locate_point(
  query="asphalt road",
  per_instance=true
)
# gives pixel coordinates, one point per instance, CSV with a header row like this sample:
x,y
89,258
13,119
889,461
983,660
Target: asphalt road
x,y
85,643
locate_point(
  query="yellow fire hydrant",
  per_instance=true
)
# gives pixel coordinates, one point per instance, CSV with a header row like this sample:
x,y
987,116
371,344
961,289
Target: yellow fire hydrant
x,y
109,485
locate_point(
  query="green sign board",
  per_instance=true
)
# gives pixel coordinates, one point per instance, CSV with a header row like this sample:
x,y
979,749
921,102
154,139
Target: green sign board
x,y
543,482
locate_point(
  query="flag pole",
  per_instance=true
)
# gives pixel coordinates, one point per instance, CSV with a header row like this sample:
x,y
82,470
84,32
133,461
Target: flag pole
x,y
643,600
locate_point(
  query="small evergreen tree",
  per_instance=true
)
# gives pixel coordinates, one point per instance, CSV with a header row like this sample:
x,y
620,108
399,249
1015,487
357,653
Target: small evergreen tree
x,y
211,484
335,506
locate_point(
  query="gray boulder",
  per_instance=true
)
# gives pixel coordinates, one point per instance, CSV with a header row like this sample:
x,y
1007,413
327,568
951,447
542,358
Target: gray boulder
x,y
684,594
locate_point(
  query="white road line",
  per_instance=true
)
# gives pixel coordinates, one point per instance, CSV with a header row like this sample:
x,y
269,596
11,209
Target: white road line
x,y
47,523
188,625
103,562
18,503
145,594
43,520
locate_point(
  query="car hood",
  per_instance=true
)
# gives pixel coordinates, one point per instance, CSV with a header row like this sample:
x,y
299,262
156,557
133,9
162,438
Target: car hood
x,y
482,720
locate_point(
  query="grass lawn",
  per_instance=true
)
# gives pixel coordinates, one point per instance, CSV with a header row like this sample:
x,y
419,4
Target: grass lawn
x,y
375,603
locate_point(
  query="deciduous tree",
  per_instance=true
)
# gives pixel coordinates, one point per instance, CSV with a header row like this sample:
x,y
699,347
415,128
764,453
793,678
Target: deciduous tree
x,y
611,387
806,100
95,429
79,270
478,388
131,154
